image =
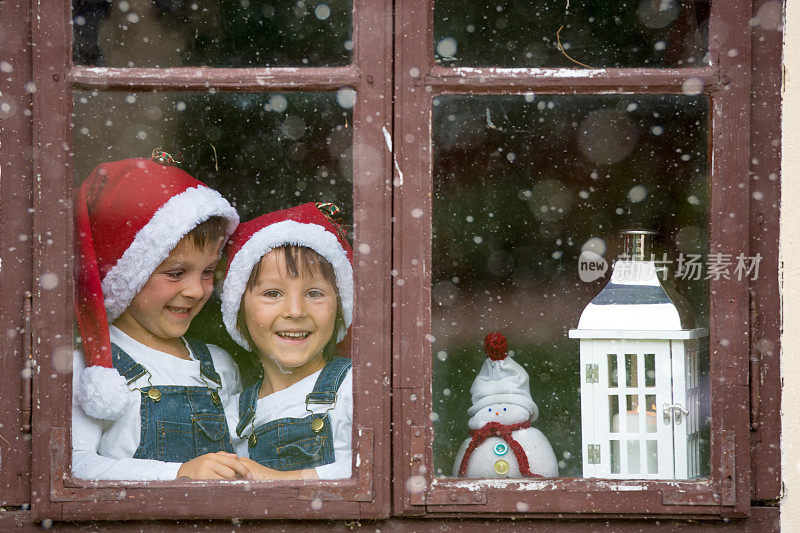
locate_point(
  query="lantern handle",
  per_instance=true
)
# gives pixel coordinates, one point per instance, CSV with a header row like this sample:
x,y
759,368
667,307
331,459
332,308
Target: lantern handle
x,y
676,410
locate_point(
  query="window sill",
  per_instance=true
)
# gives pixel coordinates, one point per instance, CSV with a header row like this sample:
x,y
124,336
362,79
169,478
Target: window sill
x,y
115,500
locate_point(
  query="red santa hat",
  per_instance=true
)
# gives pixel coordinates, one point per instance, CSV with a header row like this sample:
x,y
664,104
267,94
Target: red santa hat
x,y
129,215
312,225
501,380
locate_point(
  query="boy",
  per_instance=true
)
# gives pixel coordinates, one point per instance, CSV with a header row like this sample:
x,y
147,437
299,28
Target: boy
x,y
288,299
147,402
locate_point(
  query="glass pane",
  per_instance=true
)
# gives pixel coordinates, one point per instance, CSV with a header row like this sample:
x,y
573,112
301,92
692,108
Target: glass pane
x,y
649,370
189,33
615,458
652,457
576,34
631,370
632,404
634,457
613,376
613,413
650,413
522,186
262,152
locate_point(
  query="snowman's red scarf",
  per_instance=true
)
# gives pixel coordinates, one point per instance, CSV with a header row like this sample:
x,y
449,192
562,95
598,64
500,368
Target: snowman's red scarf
x,y
496,429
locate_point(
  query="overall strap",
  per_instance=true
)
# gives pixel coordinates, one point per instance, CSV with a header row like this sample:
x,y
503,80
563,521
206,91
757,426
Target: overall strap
x,y
200,351
247,406
125,365
328,382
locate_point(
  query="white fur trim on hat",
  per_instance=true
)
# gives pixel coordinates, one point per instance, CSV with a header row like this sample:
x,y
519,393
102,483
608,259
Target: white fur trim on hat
x,y
503,381
103,393
154,242
261,243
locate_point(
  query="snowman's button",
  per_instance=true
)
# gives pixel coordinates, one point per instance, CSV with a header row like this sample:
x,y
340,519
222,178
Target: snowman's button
x,y
500,448
501,467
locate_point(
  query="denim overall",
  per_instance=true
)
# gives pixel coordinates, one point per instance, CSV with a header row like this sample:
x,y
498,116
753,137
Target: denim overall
x,y
295,443
178,422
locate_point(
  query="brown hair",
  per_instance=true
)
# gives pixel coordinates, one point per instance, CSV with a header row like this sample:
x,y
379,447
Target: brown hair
x,y
299,261
213,229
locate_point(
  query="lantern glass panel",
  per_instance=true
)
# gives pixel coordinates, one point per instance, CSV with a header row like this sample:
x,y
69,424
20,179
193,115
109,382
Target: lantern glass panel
x,y
650,413
652,457
631,370
615,457
633,413
613,378
523,184
634,457
649,370
613,413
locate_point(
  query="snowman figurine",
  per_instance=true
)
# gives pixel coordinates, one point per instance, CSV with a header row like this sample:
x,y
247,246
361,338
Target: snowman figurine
x,y
503,443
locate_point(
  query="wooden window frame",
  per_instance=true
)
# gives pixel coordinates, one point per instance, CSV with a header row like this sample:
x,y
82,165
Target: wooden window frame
x,y
737,366
36,180
59,496
15,191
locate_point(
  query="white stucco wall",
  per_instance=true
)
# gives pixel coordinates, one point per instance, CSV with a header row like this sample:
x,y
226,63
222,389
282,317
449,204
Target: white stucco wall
x,y
790,255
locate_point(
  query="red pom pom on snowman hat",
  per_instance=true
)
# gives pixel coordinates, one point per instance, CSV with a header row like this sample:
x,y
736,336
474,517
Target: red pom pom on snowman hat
x,y
496,346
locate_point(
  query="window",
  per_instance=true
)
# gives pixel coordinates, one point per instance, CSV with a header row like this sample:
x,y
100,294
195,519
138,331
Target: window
x,y
525,154
441,126
249,113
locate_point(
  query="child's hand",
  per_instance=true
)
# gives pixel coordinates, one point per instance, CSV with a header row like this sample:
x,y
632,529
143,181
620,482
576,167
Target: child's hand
x,y
220,465
264,473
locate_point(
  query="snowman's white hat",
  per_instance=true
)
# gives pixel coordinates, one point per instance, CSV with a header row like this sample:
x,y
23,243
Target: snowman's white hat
x,y
501,380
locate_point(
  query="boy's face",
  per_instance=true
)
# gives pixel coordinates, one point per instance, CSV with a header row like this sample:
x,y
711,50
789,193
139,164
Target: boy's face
x,y
173,295
290,319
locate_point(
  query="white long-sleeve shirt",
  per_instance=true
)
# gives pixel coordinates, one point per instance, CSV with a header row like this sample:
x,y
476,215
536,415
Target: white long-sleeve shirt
x,y
290,403
104,449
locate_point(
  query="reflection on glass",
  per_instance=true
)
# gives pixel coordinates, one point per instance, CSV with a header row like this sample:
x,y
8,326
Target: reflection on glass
x,y
612,33
634,457
631,370
649,370
522,185
612,370
247,33
261,151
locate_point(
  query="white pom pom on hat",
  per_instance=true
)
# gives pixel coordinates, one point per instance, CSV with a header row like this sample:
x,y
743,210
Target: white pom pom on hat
x,y
103,393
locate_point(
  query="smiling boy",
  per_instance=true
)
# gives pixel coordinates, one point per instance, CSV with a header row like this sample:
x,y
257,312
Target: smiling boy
x,y
147,401
288,299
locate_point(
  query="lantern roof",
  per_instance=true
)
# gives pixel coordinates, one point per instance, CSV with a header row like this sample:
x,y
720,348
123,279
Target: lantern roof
x,y
633,305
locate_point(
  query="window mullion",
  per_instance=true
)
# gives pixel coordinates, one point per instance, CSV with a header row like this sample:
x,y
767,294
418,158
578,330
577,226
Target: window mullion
x,y
51,319
411,276
730,30
201,78
490,80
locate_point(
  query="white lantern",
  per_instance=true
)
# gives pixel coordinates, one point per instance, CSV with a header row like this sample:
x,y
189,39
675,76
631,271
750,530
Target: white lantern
x,y
639,376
